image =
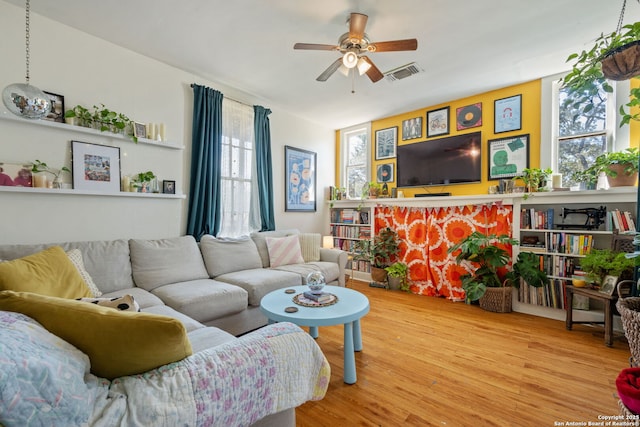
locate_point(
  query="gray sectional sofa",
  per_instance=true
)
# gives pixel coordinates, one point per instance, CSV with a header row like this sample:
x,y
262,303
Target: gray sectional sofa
x,y
213,287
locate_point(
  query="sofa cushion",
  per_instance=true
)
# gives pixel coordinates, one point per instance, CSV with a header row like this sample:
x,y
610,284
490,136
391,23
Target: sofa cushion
x,y
42,380
143,298
189,323
75,256
259,282
118,343
284,251
159,262
49,272
329,270
226,255
259,238
204,338
310,244
204,300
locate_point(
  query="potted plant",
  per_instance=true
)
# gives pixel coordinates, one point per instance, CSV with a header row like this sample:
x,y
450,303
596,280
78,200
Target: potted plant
x,y
40,167
535,179
614,56
491,281
397,276
382,252
586,178
79,116
605,262
371,189
621,167
142,181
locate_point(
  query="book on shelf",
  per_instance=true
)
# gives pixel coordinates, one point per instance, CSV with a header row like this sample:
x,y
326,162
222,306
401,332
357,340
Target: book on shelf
x,y
622,221
320,298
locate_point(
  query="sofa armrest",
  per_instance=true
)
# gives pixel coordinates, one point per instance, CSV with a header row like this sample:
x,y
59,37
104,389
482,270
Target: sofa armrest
x,y
338,256
235,383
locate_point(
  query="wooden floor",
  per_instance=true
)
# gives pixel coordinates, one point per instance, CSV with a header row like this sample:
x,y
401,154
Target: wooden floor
x,y
430,361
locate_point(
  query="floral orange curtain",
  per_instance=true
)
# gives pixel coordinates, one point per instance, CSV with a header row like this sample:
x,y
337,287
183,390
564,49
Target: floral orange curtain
x,y
425,235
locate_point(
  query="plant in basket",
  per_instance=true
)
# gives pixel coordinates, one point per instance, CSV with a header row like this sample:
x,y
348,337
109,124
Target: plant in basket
x,y
491,279
381,252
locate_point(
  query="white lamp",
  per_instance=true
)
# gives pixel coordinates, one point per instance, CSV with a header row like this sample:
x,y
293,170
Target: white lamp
x,y
327,242
350,59
363,66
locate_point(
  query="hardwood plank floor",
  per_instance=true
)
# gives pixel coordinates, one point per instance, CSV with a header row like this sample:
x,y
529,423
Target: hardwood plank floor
x,y
430,361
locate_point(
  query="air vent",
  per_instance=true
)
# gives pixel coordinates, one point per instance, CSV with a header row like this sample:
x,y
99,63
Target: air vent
x,y
403,72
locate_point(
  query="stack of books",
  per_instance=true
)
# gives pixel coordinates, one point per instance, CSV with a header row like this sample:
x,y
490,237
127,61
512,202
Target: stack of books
x,y
319,298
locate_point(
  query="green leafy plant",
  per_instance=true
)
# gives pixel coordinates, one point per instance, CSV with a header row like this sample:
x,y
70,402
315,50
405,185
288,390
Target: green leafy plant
x,y
534,178
628,159
589,177
39,167
371,190
384,248
587,79
142,179
110,120
482,250
604,262
82,114
399,270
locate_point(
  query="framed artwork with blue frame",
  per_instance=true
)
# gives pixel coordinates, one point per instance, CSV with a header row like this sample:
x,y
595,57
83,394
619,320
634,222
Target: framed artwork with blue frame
x,y
300,180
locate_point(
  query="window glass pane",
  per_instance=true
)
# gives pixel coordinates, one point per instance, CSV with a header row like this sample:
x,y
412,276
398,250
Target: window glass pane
x,y
356,179
357,149
577,154
573,120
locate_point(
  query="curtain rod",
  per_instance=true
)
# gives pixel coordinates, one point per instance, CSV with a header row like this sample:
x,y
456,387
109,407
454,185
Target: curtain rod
x,y
235,100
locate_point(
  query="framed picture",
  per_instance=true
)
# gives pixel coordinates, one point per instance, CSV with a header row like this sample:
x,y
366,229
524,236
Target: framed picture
x,y
469,117
438,122
508,114
15,175
168,187
139,130
608,285
384,173
508,156
300,180
412,128
57,107
95,167
386,141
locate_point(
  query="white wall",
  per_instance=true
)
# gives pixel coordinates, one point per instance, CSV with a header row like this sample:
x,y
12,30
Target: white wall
x,y
87,71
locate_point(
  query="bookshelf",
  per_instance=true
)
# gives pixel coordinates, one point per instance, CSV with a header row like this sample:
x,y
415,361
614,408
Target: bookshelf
x,y
349,226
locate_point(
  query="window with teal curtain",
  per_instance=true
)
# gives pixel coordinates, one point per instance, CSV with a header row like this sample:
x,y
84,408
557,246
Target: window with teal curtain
x,y
204,188
264,167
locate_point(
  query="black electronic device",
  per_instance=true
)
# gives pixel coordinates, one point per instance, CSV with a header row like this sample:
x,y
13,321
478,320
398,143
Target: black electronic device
x,y
452,160
432,194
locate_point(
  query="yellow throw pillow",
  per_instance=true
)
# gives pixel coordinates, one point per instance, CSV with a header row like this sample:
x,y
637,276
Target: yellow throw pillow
x,y
118,343
49,272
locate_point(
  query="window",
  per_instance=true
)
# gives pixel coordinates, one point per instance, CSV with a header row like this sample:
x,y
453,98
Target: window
x,y
577,138
240,205
355,159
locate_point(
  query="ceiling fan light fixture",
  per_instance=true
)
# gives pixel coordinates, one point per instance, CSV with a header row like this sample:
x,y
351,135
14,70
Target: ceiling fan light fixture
x,y
363,66
350,59
344,70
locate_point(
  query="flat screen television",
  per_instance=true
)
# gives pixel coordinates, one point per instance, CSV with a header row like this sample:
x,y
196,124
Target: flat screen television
x,y
442,161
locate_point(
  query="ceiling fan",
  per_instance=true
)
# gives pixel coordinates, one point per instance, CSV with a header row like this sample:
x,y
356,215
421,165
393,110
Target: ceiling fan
x,y
354,45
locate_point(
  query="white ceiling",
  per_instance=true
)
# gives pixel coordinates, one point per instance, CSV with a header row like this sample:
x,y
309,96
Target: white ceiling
x,y
466,47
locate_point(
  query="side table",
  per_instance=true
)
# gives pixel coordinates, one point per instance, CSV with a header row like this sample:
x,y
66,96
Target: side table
x,y
609,302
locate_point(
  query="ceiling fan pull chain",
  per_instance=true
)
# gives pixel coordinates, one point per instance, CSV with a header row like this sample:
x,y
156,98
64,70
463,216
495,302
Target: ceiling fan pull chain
x,y
353,80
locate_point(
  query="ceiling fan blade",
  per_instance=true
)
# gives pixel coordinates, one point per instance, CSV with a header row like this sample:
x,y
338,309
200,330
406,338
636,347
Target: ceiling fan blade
x,y
314,46
357,22
394,45
373,72
329,71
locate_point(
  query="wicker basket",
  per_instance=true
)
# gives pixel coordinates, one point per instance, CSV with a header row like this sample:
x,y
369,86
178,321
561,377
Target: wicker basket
x,y
624,411
497,300
629,309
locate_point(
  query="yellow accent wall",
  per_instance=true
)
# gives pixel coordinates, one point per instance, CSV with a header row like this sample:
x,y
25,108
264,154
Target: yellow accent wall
x,y
530,92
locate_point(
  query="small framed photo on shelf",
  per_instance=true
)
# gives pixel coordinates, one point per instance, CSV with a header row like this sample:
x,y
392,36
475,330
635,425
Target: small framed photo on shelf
x,y
412,128
386,141
95,167
438,122
508,114
57,107
15,175
508,156
168,187
139,130
608,285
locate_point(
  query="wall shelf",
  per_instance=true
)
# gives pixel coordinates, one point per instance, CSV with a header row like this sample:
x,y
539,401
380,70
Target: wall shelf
x,y
70,192
89,131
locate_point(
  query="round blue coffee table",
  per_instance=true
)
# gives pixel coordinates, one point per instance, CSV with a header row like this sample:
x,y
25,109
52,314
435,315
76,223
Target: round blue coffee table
x,y
351,306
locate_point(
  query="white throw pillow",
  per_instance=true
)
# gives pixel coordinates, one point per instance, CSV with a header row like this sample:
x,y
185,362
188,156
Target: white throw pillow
x,y
310,245
75,256
284,250
123,303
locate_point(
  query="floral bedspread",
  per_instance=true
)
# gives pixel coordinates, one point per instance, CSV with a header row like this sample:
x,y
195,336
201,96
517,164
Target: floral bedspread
x,y
45,381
